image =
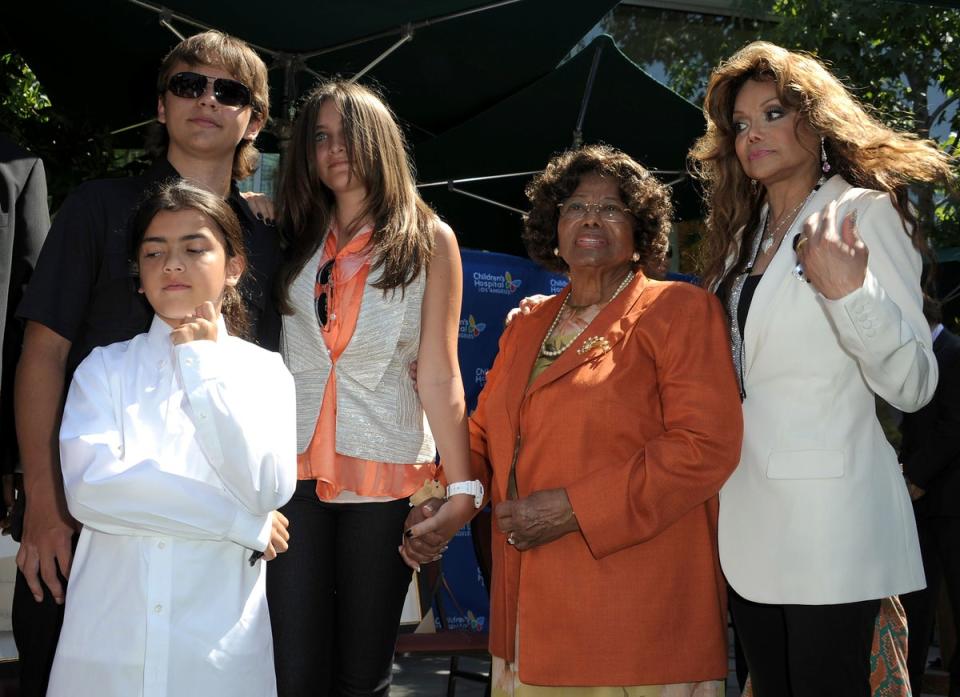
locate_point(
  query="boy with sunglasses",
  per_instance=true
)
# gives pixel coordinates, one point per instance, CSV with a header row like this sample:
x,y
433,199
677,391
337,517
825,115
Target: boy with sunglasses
x,y
213,100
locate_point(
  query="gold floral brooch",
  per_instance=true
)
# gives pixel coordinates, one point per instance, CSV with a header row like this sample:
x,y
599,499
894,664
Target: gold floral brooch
x,y
593,342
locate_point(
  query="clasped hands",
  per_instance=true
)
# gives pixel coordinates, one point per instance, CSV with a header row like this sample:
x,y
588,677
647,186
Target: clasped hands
x,y
430,526
833,256
541,517
529,522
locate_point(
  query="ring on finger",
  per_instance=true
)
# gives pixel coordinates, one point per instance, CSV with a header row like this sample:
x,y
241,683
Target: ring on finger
x,y
801,240
510,540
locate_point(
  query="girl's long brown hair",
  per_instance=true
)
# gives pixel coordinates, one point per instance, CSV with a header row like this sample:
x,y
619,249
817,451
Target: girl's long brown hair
x,y
859,148
403,223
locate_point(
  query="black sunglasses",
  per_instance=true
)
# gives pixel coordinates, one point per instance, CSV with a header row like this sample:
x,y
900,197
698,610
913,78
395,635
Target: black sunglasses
x,y
189,85
322,291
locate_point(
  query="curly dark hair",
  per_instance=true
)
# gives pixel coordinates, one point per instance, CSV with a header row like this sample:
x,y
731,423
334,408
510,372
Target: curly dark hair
x,y
648,201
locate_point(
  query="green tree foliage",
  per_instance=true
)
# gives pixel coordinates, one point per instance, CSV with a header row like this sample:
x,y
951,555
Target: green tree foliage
x,y
902,59
905,58
22,98
72,150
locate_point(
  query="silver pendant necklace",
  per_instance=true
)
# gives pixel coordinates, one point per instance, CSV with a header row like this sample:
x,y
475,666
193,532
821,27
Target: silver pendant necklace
x,y
785,221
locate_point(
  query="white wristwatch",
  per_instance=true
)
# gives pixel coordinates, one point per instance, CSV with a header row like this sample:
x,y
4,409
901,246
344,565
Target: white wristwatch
x,y
474,487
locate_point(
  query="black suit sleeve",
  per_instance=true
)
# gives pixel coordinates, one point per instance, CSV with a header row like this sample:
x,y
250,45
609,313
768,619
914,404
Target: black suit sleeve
x,y
934,437
58,296
31,220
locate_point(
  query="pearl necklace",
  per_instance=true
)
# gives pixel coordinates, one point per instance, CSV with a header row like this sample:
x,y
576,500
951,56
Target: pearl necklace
x,y
553,353
785,221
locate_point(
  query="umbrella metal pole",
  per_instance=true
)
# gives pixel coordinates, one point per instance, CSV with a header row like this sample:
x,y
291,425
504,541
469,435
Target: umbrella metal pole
x,y
407,36
412,26
165,18
132,127
166,15
448,182
464,180
578,129
451,187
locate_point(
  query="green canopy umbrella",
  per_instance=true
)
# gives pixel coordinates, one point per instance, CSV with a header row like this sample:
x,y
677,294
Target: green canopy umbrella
x,y
941,3
438,61
474,173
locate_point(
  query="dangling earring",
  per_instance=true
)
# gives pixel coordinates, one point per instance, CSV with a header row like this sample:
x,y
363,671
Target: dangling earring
x,y
636,257
824,164
556,251
755,185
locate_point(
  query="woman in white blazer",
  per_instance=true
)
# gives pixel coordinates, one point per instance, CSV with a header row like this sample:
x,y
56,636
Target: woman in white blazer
x,y
815,252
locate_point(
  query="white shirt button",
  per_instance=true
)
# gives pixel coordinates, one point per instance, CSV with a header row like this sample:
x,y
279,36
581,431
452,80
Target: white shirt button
x,y
202,415
189,361
158,608
161,545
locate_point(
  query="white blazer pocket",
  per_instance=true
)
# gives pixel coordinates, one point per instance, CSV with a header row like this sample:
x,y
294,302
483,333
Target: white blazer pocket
x,y
805,464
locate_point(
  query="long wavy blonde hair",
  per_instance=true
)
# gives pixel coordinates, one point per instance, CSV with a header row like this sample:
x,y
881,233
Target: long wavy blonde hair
x,y
862,150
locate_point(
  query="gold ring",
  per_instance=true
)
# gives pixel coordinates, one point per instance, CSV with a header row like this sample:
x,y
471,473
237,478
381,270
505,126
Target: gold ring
x,y
802,241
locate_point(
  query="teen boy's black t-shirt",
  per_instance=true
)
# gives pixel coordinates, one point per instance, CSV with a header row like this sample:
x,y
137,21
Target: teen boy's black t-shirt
x,y
84,288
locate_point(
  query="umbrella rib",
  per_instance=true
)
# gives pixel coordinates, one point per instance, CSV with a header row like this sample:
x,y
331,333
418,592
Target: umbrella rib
x,y
410,27
166,15
407,36
465,180
455,190
406,30
173,30
132,126
588,90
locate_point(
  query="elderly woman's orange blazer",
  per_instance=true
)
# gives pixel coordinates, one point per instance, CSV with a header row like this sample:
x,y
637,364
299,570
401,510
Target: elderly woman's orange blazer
x,y
639,420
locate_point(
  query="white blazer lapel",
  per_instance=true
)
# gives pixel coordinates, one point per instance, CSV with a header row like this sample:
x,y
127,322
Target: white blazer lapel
x,y
779,273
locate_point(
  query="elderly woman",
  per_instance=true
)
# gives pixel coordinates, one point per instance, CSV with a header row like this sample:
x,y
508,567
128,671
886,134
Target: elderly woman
x,y
607,425
815,252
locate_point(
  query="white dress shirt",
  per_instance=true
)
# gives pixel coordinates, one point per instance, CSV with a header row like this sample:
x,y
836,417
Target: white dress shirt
x,y
173,458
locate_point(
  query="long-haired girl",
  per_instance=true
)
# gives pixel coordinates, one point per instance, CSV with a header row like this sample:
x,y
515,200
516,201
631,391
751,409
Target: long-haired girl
x,y
372,283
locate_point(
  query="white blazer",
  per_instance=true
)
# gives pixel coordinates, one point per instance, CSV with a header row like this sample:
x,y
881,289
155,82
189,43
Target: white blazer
x,y
816,512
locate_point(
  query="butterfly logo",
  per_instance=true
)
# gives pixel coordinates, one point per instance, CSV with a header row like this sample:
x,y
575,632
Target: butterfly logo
x,y
511,284
473,327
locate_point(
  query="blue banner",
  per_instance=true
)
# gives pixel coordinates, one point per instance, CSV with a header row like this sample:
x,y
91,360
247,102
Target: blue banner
x,y
493,284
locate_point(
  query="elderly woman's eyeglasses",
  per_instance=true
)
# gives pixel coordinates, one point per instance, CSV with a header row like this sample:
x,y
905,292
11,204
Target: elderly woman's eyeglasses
x,y
575,210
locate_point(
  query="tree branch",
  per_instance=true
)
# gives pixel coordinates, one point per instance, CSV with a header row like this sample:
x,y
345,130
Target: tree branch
x,y
942,108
